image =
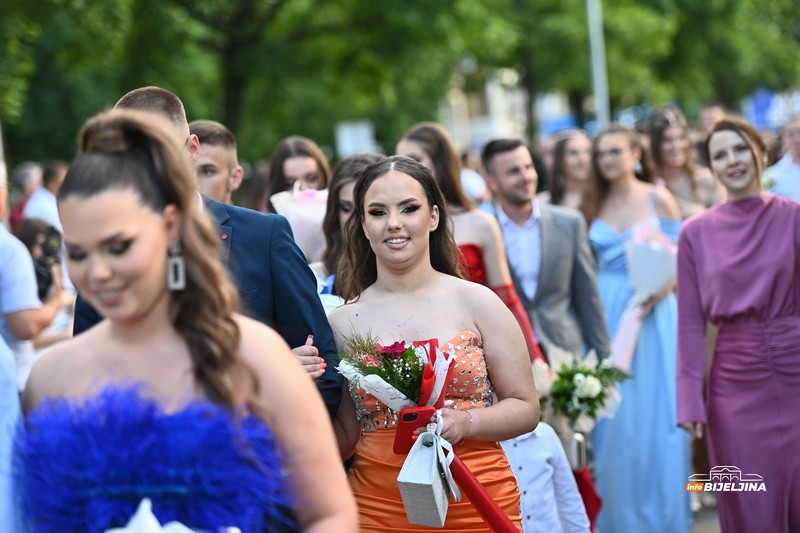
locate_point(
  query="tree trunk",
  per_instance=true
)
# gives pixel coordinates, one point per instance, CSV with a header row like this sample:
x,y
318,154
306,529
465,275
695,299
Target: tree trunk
x,y
576,99
531,88
724,91
233,88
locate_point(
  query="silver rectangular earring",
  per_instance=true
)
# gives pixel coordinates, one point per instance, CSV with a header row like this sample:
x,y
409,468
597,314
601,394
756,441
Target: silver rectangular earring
x,y
176,268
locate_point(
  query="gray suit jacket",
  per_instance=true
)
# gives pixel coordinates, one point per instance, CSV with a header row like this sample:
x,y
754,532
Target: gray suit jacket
x,y
566,310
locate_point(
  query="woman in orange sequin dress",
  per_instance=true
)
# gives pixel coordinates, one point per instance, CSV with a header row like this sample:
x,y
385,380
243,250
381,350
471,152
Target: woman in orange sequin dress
x,y
401,281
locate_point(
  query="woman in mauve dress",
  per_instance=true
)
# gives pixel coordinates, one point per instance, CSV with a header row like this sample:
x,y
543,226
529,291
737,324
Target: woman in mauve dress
x,y
739,267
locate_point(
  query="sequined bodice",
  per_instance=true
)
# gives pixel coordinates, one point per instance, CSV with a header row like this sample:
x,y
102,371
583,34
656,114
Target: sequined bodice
x,y
469,385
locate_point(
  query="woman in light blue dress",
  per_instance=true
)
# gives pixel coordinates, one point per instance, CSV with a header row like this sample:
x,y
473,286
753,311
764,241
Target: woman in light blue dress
x,y
642,456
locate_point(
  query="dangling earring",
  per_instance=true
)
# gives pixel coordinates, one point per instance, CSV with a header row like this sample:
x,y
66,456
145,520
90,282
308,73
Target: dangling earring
x,y
176,268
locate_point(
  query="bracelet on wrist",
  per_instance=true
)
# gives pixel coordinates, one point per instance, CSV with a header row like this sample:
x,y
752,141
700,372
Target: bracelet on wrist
x,y
471,421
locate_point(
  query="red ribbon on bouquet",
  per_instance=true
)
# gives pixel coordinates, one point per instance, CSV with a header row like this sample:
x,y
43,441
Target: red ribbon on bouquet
x,y
428,377
426,388
430,346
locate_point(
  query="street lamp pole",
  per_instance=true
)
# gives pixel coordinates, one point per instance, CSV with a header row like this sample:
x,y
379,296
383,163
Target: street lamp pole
x,y
597,49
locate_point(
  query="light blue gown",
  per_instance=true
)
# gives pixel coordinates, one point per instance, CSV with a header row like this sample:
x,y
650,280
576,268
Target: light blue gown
x,y
642,457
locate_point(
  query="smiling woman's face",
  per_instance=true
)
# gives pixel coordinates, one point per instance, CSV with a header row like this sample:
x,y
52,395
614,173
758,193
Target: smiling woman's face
x,y
733,163
398,219
116,251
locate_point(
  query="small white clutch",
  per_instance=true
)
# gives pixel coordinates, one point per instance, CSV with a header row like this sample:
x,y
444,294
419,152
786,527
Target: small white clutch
x,y
422,484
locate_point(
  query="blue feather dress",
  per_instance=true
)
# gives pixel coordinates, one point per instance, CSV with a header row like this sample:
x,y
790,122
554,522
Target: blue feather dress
x,y
85,468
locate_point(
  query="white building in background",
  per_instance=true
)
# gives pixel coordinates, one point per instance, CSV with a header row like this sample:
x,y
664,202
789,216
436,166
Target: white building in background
x,y
355,136
499,111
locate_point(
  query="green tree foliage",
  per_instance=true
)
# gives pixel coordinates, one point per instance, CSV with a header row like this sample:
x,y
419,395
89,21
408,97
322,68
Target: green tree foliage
x,y
268,69
271,68
18,35
658,51
76,57
725,49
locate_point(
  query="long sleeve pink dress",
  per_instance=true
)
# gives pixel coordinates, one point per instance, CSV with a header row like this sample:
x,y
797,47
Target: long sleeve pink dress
x,y
739,268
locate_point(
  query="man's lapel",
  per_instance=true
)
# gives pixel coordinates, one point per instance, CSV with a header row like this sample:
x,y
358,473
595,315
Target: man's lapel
x,y
221,217
547,233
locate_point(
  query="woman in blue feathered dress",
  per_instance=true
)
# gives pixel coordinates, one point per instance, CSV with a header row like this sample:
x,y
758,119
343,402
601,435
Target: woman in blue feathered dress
x,y
642,457
174,397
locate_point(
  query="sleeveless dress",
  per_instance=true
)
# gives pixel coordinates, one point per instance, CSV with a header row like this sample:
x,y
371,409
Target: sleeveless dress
x,y
85,467
373,475
642,456
739,267
470,259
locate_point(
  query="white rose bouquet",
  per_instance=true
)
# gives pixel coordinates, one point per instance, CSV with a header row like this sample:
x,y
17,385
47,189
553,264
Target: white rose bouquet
x,y
585,390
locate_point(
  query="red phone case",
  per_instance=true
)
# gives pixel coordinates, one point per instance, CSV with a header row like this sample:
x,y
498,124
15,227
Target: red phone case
x,y
408,421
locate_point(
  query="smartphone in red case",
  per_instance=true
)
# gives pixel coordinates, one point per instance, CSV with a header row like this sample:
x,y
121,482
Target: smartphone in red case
x,y
408,421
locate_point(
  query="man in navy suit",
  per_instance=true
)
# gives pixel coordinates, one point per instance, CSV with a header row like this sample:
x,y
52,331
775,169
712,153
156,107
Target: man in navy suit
x,y
275,284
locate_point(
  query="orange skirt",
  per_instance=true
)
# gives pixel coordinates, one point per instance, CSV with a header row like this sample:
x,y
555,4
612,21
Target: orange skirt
x,y
373,479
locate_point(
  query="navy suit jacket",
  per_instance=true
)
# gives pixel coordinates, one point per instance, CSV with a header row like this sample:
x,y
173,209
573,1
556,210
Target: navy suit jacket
x,y
276,286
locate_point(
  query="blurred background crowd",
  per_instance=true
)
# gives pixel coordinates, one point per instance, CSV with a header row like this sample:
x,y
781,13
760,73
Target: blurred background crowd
x,y
291,99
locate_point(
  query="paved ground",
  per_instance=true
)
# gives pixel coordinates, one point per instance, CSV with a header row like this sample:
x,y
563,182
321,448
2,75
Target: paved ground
x,y
706,521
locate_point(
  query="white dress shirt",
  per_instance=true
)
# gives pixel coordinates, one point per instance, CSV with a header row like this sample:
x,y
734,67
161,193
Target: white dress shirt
x,y
524,247
786,176
549,496
42,204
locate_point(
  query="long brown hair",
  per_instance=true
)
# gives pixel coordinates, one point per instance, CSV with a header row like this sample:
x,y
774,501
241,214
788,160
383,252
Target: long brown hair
x,y
358,267
598,186
557,179
130,150
433,138
346,171
661,120
294,146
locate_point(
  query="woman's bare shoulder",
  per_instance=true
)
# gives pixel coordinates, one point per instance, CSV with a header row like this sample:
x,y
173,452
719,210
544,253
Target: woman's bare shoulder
x,y
484,228
703,177
665,204
464,292
256,338
482,220
349,310
60,366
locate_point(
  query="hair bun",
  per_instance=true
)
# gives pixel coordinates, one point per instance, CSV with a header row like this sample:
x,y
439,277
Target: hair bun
x,y
112,138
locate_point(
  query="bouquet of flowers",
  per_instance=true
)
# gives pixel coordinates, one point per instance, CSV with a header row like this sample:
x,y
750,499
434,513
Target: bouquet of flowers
x,y
144,521
404,376
401,374
582,390
305,210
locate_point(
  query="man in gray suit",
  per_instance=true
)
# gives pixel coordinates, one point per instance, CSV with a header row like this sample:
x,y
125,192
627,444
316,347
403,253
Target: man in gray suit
x,y
548,254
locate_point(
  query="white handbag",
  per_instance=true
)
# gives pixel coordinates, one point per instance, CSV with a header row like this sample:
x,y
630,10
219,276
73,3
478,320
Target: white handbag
x,y
425,481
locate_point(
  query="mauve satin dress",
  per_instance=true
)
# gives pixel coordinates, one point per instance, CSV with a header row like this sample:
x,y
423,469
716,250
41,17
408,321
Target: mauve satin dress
x,y
739,267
